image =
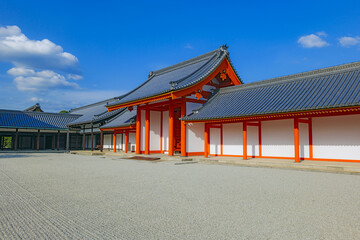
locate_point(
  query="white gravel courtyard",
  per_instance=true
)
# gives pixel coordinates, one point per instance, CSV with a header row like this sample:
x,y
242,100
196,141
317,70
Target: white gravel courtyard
x,y
64,196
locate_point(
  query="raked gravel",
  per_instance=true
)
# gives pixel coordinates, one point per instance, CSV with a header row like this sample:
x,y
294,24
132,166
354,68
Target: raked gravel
x,y
65,196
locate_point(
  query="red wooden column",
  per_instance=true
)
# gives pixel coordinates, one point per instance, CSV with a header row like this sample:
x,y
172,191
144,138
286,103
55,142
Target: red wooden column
x,y
244,140
183,128
171,129
147,131
126,141
296,140
114,140
206,140
138,130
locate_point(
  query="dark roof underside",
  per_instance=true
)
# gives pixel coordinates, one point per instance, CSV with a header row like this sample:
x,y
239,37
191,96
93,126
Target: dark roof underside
x,y
35,120
327,88
124,119
176,77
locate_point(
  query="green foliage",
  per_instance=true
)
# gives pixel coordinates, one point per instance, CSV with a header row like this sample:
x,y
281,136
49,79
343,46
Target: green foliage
x,y
64,111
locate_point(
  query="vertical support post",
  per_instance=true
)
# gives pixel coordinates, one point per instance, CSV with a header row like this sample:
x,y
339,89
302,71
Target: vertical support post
x,y
38,140
244,140
311,152
67,140
92,137
183,128
206,141
161,132
84,138
16,139
260,142
138,129
296,140
147,130
115,140
101,141
58,140
126,140
221,140
171,129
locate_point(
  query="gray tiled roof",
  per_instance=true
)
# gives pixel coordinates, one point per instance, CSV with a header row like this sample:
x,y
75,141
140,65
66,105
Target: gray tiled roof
x,y
326,88
35,120
177,77
124,119
94,113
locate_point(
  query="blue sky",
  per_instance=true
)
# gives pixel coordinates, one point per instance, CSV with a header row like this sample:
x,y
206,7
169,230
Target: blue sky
x,y
65,54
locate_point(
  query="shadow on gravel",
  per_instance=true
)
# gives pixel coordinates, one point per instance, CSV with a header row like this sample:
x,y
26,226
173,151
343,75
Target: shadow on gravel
x,y
13,156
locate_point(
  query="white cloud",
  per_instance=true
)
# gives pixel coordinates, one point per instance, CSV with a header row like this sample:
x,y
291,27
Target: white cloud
x,y
313,40
189,46
74,76
349,41
16,48
30,80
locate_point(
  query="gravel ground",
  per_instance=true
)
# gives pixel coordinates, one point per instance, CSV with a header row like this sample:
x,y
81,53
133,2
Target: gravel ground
x,y
63,196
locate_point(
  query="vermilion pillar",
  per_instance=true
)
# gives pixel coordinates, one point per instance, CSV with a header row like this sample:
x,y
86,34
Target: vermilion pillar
x,y
296,140
311,154
138,130
171,129
126,141
244,141
147,131
206,141
114,141
183,128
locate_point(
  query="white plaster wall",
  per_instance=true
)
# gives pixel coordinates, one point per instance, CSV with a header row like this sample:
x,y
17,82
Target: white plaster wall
x,y
232,139
142,142
215,141
132,142
303,140
195,137
155,122
108,141
166,130
278,138
119,142
192,106
337,137
252,140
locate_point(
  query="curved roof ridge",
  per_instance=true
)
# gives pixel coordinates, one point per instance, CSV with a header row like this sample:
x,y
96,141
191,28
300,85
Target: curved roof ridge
x,y
294,77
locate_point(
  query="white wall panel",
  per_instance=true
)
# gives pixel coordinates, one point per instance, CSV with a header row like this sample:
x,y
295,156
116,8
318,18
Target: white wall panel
x,y
132,142
337,137
195,137
119,142
232,139
215,141
155,130
252,141
278,138
142,142
108,141
166,130
303,140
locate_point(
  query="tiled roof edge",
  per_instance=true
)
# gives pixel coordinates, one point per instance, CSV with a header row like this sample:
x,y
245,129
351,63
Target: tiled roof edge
x,y
294,77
